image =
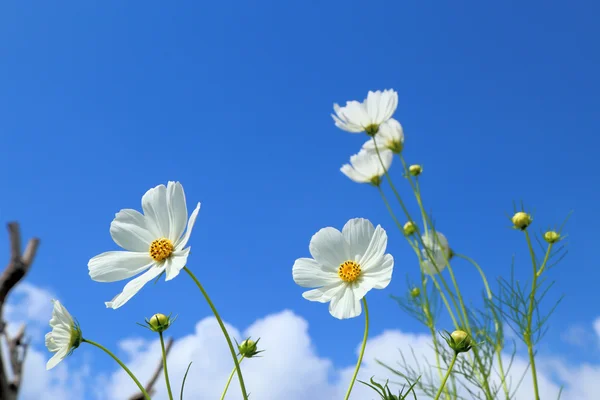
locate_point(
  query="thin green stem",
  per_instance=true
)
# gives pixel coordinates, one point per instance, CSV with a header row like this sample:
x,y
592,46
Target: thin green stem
x,y
483,278
442,295
139,385
437,358
437,396
502,374
528,332
230,378
362,349
220,321
418,234
164,357
465,317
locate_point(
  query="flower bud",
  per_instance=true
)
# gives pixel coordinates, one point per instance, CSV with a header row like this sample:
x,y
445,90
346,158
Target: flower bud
x,y
459,341
551,237
415,292
521,220
415,170
159,323
409,228
248,348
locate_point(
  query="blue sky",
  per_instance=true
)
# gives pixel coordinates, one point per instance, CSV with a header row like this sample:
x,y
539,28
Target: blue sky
x,y
101,101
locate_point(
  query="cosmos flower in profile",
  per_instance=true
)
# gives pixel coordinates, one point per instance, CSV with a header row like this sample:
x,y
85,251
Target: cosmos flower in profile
x,y
356,117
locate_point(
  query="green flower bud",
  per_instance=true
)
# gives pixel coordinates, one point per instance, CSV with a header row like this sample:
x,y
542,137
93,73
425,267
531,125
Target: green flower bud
x,y
521,220
415,170
459,341
248,348
551,237
409,228
159,323
415,292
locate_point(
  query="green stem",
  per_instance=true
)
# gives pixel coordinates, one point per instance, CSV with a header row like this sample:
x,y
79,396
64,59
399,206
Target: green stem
x,y
214,310
164,357
140,386
437,358
418,233
437,396
362,349
485,282
465,317
502,375
230,378
528,332
442,295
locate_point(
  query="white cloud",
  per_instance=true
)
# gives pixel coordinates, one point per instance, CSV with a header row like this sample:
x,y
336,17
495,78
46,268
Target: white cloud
x,y
290,369
29,304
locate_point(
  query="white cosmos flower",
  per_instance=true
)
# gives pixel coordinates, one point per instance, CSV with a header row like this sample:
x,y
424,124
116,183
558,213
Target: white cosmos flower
x,y
65,336
440,253
345,266
390,137
366,167
357,117
155,242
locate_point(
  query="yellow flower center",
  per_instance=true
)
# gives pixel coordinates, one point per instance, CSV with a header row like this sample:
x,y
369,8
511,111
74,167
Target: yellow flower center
x,y
161,249
349,271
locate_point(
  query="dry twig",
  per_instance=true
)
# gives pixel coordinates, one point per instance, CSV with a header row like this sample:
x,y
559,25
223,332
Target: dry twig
x,y
18,266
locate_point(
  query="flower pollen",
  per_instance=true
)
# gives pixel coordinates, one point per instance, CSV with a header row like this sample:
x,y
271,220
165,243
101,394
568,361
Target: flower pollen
x,y
349,271
161,249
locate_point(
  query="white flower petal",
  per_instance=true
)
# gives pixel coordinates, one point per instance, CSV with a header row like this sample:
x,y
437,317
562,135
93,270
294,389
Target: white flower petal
x,y
324,294
134,286
184,239
390,132
372,256
353,174
435,267
345,304
352,118
358,233
56,358
439,250
177,210
367,165
130,231
50,344
329,248
58,341
309,273
154,204
378,277
175,263
118,265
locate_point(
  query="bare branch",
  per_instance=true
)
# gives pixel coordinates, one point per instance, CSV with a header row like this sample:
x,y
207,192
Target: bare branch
x,y
18,266
17,357
14,234
150,385
15,271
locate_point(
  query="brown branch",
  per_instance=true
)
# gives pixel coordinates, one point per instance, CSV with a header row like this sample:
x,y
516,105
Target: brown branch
x,y
150,385
17,358
18,266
